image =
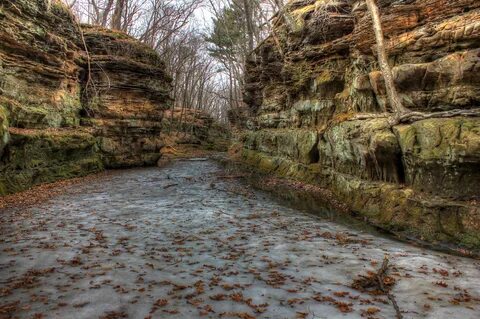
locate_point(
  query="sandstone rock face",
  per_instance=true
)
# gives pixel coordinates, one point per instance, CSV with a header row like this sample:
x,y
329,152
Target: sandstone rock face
x,y
69,108
38,71
441,156
125,97
305,84
193,129
4,134
42,156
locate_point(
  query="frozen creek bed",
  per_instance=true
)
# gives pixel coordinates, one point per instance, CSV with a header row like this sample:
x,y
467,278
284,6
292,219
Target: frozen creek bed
x,y
184,241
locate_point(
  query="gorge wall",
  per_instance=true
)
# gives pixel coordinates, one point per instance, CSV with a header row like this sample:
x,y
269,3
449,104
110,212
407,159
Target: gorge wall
x,y
194,129
73,100
317,72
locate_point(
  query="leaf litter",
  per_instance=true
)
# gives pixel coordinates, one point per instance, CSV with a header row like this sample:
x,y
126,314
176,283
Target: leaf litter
x,y
128,244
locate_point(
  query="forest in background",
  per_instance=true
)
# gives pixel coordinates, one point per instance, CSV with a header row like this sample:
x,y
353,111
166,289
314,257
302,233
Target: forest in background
x,y
204,43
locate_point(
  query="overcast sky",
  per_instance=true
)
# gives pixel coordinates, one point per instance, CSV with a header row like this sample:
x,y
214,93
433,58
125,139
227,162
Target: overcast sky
x,y
203,18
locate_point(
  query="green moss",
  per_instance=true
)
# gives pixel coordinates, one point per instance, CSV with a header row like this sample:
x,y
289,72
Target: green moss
x,y
436,139
4,134
297,145
43,115
43,157
300,14
389,206
471,240
441,155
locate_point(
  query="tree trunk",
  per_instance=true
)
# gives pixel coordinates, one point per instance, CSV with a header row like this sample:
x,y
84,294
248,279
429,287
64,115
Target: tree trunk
x,y
117,15
249,23
105,13
392,94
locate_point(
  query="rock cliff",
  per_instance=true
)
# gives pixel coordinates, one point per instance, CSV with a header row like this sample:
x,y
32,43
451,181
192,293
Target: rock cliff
x,y
186,128
125,97
73,99
307,84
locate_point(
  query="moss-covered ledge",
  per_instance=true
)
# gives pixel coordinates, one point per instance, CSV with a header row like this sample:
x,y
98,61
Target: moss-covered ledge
x,y
400,210
4,134
34,157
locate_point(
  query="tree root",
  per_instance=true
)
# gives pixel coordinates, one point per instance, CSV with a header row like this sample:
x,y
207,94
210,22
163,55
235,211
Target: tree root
x,y
410,117
379,282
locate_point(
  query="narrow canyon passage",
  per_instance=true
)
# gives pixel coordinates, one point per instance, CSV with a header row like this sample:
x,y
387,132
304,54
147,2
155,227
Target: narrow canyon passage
x,y
184,241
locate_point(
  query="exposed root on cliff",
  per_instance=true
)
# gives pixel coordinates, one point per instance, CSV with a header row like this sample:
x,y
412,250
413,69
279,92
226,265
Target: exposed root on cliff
x,y
90,84
379,282
89,71
418,116
410,117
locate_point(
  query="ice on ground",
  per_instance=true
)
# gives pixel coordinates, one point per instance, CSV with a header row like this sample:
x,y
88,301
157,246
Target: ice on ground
x,y
179,242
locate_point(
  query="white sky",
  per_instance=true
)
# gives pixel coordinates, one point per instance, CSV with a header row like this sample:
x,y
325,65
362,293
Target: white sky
x,y
202,20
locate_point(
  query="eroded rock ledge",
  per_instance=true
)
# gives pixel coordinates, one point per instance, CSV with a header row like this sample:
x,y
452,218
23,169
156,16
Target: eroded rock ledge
x,y
73,99
308,80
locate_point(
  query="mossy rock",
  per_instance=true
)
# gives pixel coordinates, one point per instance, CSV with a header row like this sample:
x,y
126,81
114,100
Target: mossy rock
x,y
392,207
4,134
45,91
297,145
114,43
366,149
442,156
35,157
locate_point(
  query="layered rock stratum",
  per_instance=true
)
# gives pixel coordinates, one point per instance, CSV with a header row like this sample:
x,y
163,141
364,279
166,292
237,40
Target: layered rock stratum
x,y
126,97
309,83
73,99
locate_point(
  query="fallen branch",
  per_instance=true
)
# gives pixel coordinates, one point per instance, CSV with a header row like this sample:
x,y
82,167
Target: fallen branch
x,y
379,281
231,176
231,191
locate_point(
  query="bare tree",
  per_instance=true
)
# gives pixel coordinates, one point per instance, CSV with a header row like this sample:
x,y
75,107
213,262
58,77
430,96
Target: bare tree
x,y
249,24
117,15
392,94
200,81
